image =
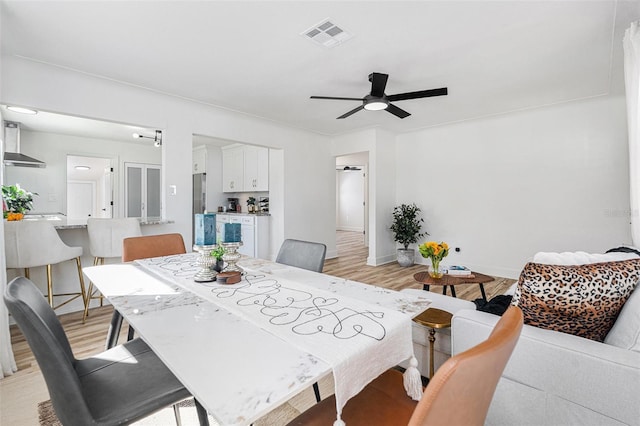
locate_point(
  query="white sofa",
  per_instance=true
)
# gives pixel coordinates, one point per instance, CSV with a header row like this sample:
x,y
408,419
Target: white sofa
x,y
555,378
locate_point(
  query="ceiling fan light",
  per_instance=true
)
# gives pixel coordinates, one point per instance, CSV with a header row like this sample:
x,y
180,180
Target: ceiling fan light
x,y
375,105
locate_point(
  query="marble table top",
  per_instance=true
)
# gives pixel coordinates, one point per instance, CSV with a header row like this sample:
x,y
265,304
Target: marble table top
x,y
237,370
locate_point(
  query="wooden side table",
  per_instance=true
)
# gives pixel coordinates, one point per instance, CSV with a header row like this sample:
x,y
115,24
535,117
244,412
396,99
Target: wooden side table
x,y
433,318
453,280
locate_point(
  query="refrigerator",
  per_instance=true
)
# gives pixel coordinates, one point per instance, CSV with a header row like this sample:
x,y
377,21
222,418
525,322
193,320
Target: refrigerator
x,y
199,198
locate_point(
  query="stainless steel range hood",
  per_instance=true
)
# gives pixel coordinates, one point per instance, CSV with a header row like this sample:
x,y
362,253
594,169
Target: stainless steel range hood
x,y
12,154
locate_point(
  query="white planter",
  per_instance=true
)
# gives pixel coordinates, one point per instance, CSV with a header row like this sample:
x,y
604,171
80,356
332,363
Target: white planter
x,y
406,257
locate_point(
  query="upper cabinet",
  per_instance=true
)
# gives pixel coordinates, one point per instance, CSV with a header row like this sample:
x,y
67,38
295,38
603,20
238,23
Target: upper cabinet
x,y
199,160
232,169
245,168
256,168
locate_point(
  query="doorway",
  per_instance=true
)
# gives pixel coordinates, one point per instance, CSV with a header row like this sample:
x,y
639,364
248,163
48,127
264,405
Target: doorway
x,y
89,187
352,218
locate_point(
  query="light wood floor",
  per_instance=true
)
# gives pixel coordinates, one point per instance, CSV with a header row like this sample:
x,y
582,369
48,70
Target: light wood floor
x,y
21,392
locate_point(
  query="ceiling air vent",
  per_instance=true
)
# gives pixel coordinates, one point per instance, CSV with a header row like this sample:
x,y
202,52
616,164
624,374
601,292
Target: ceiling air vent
x,y
326,34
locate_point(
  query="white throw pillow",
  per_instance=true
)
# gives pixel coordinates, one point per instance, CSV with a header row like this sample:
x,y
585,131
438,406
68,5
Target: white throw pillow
x,y
580,257
625,333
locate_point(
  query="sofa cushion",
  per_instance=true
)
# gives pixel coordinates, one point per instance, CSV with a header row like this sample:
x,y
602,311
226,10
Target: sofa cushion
x,y
583,300
625,333
580,257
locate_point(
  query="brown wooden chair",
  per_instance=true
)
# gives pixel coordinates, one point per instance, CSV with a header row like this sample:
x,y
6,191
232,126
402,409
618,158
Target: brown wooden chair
x,y
458,394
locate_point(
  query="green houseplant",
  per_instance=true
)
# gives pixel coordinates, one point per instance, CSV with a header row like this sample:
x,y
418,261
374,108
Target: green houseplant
x,y
17,201
406,227
218,252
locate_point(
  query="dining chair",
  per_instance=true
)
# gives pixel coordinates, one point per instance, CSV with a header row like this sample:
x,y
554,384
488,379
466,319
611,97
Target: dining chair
x,y
32,243
105,241
143,247
305,255
458,394
302,254
115,387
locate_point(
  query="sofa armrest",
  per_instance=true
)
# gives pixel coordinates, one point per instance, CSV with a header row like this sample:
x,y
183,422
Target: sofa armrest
x,y
603,378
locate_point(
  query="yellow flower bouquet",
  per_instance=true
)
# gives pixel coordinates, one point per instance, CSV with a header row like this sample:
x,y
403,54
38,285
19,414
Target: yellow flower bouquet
x,y
436,252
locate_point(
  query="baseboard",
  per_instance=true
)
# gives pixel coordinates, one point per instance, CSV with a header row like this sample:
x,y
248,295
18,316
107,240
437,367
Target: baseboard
x,y
377,261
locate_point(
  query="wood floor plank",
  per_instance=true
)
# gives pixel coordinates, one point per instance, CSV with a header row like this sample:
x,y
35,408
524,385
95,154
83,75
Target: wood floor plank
x,y
21,392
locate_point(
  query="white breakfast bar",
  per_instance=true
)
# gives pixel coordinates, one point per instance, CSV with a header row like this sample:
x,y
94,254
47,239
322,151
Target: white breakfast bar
x,y
243,349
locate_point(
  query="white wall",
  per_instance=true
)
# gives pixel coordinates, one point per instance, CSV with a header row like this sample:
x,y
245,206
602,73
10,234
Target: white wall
x,y
308,169
51,182
504,188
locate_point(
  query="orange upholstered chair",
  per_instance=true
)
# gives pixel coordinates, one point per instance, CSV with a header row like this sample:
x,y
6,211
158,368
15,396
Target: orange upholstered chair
x,y
458,394
143,247
152,246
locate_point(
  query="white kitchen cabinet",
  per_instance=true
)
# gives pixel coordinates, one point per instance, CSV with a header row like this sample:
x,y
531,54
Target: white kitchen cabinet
x,y
256,168
199,160
245,168
233,169
254,230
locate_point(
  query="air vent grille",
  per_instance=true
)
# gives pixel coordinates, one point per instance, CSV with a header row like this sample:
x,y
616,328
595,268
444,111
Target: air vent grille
x,y
326,34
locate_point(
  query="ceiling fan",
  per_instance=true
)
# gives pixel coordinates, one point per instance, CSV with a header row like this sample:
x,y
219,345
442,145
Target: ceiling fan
x,y
377,100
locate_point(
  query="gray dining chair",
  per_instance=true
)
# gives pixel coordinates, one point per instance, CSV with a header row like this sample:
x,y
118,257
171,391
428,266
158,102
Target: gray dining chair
x,y
302,254
305,255
116,387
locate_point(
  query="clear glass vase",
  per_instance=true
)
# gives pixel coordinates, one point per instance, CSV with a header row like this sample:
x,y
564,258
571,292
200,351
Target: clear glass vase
x,y
435,268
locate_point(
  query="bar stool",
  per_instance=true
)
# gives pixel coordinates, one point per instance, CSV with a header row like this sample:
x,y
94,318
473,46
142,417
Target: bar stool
x,y
29,244
105,241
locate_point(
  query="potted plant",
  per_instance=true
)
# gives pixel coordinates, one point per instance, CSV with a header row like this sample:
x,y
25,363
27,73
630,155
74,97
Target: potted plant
x,y
16,201
406,227
251,205
218,252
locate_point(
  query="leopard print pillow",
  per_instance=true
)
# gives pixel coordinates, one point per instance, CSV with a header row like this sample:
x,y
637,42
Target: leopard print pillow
x,y
583,300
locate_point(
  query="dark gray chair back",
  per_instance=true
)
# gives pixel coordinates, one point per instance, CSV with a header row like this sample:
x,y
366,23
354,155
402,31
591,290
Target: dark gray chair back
x,y
112,388
302,254
52,350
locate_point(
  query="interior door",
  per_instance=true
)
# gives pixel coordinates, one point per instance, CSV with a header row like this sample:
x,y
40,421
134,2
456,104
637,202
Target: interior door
x,y
81,204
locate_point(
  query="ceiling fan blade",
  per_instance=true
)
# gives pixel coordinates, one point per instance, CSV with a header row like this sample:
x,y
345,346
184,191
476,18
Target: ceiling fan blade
x,y
353,111
419,94
378,84
398,112
336,98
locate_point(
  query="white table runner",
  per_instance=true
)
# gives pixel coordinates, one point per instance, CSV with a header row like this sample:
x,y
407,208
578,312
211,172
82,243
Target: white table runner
x,y
339,330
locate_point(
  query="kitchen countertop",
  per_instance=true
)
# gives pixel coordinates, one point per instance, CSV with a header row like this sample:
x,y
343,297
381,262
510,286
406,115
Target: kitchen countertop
x,y
60,221
243,214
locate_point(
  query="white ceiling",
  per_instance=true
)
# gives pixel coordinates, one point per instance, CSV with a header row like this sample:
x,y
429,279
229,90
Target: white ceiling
x,y
494,56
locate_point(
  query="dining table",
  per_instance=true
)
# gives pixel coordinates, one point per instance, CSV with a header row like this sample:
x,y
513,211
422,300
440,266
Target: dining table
x,y
243,349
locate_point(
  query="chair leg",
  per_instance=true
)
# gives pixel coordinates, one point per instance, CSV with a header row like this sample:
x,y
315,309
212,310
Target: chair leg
x,y
96,262
49,287
86,305
176,413
202,414
114,330
316,391
130,333
83,293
